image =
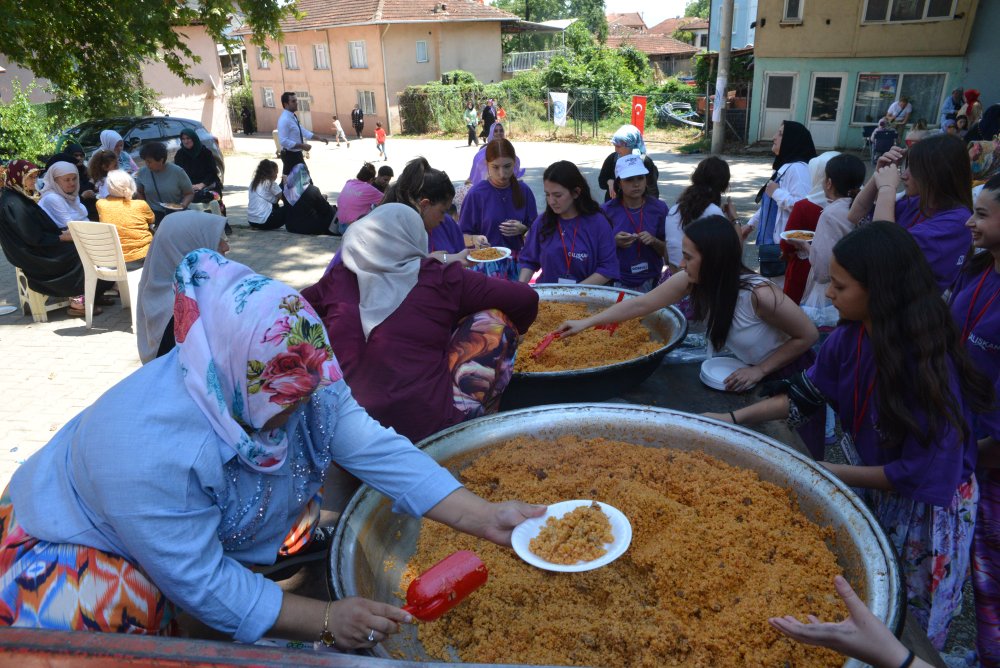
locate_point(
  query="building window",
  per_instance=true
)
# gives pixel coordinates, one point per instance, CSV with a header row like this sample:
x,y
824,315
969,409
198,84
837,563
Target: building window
x,y
703,40
877,91
892,11
321,59
263,59
291,57
356,51
268,94
366,100
793,11
422,51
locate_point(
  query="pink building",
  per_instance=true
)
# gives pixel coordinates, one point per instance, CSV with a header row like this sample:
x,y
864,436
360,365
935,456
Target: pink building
x,y
365,52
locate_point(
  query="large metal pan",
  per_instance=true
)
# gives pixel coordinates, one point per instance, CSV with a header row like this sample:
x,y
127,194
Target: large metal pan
x,y
369,535
667,325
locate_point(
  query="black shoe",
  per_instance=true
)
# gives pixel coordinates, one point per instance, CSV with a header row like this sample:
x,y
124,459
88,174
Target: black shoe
x,y
285,566
229,228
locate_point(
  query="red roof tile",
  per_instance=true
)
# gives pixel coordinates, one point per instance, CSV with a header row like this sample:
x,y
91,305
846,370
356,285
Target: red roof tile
x,y
670,26
320,14
630,19
654,45
697,24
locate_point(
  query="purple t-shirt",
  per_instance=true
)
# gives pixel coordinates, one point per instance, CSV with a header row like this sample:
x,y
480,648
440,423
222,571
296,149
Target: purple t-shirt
x,y
639,262
485,206
982,333
943,237
446,237
356,200
586,242
929,475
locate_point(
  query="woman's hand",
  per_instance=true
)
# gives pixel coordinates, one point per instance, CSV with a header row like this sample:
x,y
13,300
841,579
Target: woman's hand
x,y
625,239
721,417
887,176
770,188
198,186
505,516
512,228
572,327
88,194
729,209
861,636
801,247
647,239
743,379
744,232
353,619
890,157
464,511
66,236
480,241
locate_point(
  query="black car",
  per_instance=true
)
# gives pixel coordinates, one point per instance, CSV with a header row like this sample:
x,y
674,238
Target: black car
x,y
139,130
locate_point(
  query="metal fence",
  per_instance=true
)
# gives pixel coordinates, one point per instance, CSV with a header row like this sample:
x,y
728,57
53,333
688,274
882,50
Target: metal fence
x,y
521,61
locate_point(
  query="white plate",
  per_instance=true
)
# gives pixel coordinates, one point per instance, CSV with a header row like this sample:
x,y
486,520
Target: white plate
x,y
621,530
787,235
502,249
7,309
171,207
715,370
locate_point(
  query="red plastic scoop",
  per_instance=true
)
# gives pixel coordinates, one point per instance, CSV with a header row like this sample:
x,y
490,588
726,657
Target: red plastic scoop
x,y
613,326
544,343
444,585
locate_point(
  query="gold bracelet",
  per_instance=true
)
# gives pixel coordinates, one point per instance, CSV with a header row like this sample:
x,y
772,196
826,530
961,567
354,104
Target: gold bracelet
x,y
326,637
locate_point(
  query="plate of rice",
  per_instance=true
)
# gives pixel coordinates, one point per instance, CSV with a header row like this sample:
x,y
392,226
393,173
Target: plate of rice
x,y
490,254
573,536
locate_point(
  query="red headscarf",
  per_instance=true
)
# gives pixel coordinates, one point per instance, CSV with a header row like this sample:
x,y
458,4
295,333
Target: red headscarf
x,y
971,96
17,172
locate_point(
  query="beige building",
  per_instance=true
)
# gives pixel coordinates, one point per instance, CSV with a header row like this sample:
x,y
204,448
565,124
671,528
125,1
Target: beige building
x,y
366,52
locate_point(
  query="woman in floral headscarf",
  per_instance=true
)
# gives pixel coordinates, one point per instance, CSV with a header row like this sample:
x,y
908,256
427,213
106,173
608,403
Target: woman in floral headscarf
x,y
32,241
199,464
628,140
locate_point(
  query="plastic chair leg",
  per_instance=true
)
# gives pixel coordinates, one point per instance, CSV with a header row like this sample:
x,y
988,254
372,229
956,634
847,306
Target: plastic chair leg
x,y
90,291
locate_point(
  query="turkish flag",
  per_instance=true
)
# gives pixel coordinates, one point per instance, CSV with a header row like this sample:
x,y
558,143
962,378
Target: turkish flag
x,y
639,111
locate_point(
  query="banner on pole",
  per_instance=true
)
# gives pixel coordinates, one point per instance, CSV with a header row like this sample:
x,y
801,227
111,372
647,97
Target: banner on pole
x,y
720,99
558,101
639,112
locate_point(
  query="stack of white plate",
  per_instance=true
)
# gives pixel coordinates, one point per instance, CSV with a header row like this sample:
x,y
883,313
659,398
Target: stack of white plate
x,y
715,370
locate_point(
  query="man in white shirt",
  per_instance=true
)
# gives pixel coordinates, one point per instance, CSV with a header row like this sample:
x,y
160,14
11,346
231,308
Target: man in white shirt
x,y
291,135
899,112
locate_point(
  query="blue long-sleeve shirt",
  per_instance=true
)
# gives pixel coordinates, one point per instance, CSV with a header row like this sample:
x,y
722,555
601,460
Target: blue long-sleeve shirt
x,y
140,473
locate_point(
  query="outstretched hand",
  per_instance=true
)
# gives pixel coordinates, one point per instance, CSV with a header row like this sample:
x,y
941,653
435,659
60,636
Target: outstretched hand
x,y
571,327
861,636
507,515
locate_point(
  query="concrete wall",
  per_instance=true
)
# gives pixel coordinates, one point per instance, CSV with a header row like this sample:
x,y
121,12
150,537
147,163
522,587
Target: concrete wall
x,y
848,133
834,29
981,57
25,77
204,101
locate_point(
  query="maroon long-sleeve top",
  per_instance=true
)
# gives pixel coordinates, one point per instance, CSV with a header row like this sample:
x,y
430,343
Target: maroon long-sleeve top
x,y
400,374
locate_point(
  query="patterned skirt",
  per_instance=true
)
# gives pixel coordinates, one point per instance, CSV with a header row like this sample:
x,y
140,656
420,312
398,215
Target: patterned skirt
x,y
986,569
481,359
933,544
75,588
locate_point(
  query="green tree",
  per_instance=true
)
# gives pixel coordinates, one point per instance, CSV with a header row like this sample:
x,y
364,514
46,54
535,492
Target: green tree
x,y
534,10
591,13
699,8
24,132
93,50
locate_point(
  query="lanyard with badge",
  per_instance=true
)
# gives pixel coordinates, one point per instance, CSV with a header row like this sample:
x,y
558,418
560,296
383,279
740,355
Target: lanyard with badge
x,y
640,265
567,277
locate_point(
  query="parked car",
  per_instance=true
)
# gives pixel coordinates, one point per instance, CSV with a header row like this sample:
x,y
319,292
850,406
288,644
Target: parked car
x,y
139,130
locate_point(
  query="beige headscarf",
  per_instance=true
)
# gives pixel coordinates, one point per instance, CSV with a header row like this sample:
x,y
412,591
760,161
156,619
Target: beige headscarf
x,y
50,186
817,175
384,250
179,234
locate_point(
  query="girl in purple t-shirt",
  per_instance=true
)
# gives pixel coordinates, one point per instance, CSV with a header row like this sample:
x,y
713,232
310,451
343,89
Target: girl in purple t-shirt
x,y
571,241
935,204
905,390
975,305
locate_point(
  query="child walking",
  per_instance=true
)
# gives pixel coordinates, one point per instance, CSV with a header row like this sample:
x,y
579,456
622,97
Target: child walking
x,y
380,140
339,131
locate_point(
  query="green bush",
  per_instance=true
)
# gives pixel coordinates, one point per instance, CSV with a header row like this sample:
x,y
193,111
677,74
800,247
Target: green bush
x,y
26,131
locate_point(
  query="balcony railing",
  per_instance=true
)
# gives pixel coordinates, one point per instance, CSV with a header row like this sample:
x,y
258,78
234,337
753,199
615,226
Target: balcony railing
x,y
526,60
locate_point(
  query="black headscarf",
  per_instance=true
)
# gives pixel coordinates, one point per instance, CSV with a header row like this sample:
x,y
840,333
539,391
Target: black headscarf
x,y
988,126
796,145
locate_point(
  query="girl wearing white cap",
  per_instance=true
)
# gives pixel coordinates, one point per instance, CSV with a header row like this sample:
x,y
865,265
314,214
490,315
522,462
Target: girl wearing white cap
x,y
638,226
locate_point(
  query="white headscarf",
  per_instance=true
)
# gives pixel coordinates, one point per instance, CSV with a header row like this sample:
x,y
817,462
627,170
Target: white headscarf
x,y
384,250
51,189
817,175
178,234
110,139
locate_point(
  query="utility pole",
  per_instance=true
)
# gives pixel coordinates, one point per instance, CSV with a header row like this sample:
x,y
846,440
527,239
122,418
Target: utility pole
x,y
725,51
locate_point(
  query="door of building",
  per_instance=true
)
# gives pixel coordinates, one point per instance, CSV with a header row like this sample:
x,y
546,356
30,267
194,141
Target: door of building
x,y
305,107
779,102
826,99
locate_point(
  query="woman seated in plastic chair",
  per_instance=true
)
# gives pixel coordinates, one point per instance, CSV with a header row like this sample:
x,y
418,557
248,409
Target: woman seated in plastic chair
x,y
424,345
133,218
199,164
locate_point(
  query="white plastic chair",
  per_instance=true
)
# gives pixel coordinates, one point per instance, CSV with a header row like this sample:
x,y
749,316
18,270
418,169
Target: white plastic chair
x,y
101,253
35,302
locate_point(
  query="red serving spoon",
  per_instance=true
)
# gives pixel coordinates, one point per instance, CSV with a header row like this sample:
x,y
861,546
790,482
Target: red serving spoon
x,y
544,343
444,585
613,326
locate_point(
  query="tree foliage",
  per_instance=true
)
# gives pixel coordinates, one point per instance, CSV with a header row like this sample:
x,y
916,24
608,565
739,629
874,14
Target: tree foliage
x,y
589,12
699,8
93,50
24,131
